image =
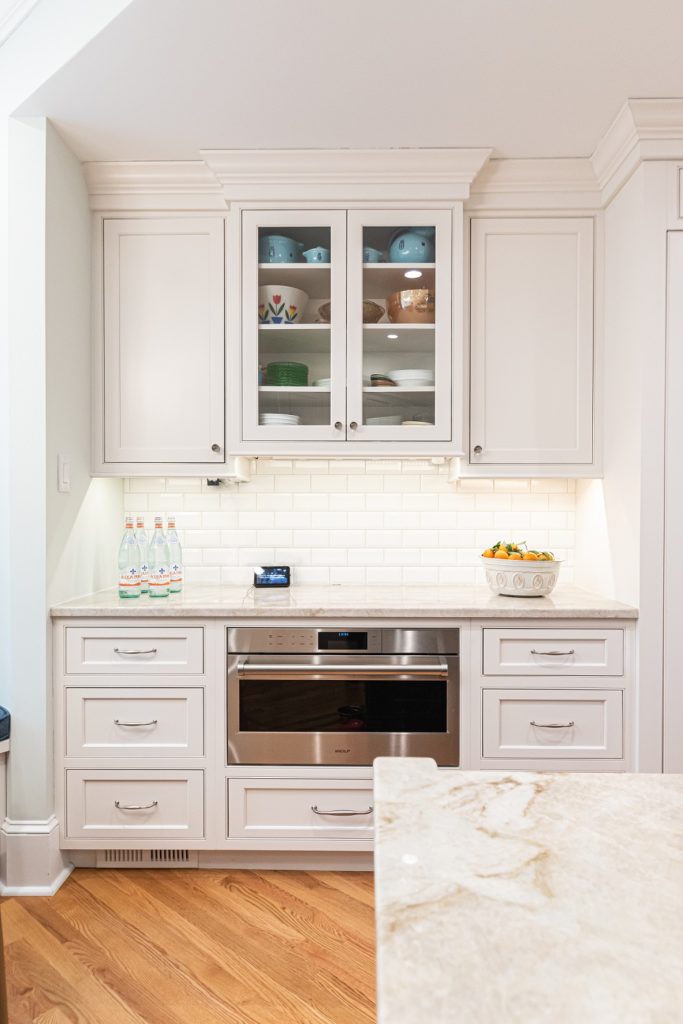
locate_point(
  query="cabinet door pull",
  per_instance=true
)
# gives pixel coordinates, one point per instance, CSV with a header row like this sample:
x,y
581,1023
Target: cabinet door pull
x,y
341,813
135,807
477,449
552,725
353,425
135,725
553,654
152,650
338,425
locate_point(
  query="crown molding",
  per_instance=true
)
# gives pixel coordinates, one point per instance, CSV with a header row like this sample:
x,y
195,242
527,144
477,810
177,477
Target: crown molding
x,y
153,184
644,129
538,184
344,173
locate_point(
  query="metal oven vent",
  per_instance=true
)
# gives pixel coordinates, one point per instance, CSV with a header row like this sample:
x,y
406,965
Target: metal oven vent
x,y
147,859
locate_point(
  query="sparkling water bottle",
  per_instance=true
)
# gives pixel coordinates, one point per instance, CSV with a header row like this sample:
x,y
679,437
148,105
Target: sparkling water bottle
x,y
130,577
159,562
176,554
143,544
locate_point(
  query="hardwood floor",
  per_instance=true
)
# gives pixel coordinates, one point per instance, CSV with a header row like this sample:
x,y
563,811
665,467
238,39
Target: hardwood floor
x,y
193,947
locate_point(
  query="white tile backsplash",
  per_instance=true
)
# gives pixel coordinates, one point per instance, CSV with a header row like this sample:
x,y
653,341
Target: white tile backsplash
x,y
375,521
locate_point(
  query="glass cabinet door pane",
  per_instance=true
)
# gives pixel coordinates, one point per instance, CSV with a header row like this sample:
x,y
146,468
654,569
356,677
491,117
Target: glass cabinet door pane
x,y
400,324
293,359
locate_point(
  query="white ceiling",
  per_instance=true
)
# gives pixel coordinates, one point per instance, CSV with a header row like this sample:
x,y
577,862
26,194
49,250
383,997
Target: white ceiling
x,y
530,78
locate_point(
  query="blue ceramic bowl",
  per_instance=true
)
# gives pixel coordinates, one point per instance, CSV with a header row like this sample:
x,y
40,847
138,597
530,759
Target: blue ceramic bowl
x,y
318,255
279,249
411,245
371,255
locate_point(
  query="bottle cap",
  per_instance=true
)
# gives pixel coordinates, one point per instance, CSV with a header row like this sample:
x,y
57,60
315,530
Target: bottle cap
x,y
171,519
141,522
158,521
129,520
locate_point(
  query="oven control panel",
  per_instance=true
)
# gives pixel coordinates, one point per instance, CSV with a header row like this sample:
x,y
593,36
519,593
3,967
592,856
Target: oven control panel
x,y
289,640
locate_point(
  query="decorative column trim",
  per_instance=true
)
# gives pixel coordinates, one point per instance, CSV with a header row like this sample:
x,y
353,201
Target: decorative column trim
x,y
31,861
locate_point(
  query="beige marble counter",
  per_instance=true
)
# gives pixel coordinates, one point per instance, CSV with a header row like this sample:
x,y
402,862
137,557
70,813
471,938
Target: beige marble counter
x,y
348,602
524,898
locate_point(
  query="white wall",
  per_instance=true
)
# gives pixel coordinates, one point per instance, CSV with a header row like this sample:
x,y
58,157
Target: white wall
x,y
374,521
52,33
84,525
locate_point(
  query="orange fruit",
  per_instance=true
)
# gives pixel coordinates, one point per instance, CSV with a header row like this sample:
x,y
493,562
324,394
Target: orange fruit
x,y
517,555
529,556
501,553
488,553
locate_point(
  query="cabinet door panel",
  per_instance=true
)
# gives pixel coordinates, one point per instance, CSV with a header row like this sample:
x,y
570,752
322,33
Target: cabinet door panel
x,y
531,341
164,340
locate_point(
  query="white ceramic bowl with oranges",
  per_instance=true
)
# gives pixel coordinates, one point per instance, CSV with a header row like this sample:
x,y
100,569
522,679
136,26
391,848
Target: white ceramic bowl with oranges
x,y
516,571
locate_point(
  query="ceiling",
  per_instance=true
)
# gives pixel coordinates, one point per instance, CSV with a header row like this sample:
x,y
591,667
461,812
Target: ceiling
x,y
529,78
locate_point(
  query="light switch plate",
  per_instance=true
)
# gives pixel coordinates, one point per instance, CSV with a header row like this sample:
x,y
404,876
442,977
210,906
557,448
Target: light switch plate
x,y
63,474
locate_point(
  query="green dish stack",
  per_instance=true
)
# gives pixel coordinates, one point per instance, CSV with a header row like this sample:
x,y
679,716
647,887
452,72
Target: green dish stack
x,y
287,375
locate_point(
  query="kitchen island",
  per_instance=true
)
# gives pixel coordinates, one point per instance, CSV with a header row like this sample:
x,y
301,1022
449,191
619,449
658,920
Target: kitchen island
x,y
528,898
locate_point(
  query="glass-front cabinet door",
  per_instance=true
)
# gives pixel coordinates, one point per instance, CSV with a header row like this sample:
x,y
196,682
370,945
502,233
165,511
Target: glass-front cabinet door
x,y
294,325
399,312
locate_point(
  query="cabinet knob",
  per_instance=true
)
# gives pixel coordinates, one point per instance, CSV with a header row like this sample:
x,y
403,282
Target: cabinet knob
x,y
215,447
353,425
478,449
338,425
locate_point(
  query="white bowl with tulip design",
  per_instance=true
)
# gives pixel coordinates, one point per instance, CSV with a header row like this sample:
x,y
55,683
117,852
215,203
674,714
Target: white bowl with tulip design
x,y
280,304
519,578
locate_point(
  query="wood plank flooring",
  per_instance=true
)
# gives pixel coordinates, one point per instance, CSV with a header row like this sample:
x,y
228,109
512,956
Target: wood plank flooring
x,y
193,947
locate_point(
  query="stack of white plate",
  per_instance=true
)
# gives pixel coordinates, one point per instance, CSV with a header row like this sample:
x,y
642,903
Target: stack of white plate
x,y
412,378
278,419
383,421
324,382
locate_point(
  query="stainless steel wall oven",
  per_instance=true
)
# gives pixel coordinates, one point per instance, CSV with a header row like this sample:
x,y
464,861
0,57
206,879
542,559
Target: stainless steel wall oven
x,y
342,696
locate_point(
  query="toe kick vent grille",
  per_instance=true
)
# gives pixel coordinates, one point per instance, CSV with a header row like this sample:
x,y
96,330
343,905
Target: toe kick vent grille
x,y
147,859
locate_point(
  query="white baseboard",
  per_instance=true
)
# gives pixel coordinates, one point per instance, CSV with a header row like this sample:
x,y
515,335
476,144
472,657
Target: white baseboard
x,y
31,862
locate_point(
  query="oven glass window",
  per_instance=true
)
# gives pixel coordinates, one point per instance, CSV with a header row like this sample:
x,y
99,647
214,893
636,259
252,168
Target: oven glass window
x,y
303,705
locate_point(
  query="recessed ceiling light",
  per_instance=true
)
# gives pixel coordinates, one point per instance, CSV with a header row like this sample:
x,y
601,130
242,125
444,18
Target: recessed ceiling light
x,y
413,273
392,336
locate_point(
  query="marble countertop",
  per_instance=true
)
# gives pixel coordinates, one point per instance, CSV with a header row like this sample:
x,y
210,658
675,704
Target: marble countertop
x,y
528,898
213,601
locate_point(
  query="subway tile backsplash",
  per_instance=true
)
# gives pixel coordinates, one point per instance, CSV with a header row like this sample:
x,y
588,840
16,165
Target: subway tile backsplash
x,y
374,521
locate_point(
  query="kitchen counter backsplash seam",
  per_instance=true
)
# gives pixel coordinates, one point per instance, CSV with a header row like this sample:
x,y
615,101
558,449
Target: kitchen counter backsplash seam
x,y
356,521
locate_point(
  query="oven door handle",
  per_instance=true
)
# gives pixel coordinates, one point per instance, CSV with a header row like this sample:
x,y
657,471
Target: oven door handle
x,y
287,671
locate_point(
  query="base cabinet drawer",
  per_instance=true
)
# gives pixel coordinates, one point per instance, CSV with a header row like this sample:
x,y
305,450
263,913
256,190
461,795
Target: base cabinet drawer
x,y
553,652
113,804
300,809
134,722
134,651
552,724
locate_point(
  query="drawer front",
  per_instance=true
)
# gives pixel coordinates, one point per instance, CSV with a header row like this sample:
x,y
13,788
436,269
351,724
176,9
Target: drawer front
x,y
552,724
117,804
284,809
136,722
135,651
553,652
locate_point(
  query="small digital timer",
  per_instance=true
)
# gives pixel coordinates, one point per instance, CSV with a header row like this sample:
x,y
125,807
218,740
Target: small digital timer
x,y
272,576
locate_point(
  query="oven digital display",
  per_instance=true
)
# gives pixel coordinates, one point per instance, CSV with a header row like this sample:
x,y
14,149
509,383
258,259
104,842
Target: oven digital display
x,y
342,640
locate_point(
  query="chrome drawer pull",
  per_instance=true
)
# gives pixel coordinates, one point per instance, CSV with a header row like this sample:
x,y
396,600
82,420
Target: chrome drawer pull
x,y
341,813
135,807
553,654
152,650
135,725
552,725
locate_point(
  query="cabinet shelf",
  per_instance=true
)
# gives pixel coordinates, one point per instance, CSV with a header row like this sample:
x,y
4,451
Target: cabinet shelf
x,y
417,338
309,390
397,390
313,278
385,278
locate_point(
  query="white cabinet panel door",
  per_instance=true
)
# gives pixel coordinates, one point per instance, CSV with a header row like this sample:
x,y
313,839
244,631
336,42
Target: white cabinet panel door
x,y
164,387
531,341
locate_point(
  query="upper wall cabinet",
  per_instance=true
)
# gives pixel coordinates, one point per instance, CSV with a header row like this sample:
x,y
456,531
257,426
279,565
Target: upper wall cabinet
x,y
532,360
162,378
348,336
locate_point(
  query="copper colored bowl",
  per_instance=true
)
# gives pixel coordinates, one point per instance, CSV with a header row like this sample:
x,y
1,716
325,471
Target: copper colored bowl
x,y
412,306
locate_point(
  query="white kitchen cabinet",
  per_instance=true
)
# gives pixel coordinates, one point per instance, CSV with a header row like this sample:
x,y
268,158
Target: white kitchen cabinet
x,y
532,353
163,378
311,356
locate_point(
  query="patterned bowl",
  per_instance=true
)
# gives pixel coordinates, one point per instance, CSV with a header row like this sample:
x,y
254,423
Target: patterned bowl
x,y
519,578
280,304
